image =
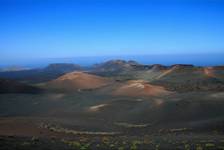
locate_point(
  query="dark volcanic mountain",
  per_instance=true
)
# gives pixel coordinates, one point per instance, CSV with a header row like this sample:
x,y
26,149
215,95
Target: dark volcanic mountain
x,y
62,67
158,67
117,67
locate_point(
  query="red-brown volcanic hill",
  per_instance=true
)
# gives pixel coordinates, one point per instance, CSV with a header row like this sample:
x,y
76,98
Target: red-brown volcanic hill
x,y
140,88
78,81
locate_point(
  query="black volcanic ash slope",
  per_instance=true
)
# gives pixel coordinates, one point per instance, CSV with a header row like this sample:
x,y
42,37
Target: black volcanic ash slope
x,y
10,86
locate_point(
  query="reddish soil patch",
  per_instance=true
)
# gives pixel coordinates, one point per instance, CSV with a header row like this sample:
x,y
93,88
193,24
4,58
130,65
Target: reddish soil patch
x,y
140,88
209,71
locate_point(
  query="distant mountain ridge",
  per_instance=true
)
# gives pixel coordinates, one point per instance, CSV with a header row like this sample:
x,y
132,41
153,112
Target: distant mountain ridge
x,y
43,74
125,70
122,65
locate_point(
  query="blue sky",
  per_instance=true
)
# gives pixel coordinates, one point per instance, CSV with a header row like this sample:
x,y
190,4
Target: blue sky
x,y
34,29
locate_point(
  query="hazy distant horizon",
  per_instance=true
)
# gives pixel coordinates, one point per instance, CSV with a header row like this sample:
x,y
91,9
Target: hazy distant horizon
x,y
164,59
